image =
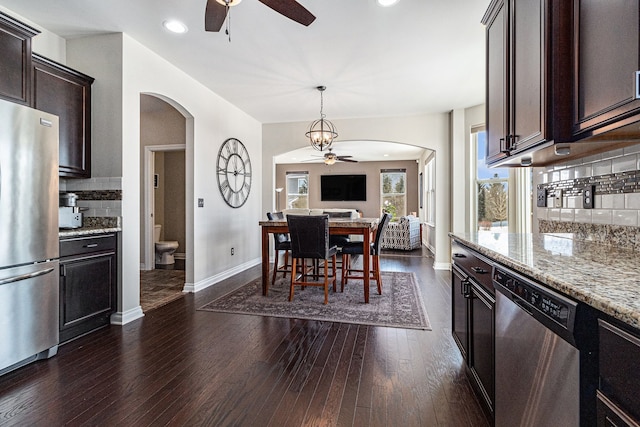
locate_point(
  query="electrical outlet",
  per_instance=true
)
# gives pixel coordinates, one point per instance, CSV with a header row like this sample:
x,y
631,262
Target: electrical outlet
x,y
232,251
201,203
588,195
542,198
557,199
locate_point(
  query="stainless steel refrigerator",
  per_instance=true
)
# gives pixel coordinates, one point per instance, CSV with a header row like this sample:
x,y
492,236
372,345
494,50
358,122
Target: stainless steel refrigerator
x,y
29,248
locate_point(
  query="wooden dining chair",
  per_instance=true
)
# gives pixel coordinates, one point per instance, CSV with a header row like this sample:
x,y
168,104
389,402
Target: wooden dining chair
x,y
281,243
310,240
357,248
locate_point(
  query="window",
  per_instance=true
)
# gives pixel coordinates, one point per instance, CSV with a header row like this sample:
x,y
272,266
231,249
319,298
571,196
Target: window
x,y
298,190
491,190
430,190
393,192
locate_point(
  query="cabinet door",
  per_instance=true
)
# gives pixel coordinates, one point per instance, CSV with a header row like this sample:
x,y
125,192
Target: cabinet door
x,y
67,94
459,306
619,364
15,60
497,82
528,74
87,293
481,360
607,57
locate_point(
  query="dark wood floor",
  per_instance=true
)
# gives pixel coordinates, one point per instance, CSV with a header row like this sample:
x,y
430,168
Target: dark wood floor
x,y
179,366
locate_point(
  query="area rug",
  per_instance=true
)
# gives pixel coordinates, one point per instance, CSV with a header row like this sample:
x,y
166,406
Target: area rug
x,y
399,306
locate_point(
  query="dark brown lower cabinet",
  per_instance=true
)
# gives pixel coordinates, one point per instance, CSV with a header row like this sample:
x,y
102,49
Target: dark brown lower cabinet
x,y
473,328
619,386
460,310
87,284
481,343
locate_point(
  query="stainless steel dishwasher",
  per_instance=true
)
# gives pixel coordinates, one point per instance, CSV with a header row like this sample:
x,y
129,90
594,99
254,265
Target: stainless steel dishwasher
x,y
537,358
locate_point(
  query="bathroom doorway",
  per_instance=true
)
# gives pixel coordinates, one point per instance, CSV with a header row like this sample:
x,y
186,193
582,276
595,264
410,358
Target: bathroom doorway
x,y
163,191
165,203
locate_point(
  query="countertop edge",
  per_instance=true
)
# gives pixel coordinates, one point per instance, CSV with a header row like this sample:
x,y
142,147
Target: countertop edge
x,y
598,301
87,231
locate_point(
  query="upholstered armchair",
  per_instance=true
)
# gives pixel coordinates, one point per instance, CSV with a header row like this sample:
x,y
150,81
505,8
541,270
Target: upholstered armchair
x,y
403,234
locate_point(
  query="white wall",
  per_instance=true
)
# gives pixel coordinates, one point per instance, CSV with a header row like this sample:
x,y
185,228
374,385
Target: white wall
x,y
428,131
124,69
462,121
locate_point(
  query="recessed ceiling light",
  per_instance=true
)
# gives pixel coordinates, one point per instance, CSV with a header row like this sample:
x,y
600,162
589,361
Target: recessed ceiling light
x,y
175,26
385,155
386,3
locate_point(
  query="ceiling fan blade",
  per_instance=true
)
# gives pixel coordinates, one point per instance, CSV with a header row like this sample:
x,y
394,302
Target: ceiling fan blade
x,y
343,159
214,16
291,9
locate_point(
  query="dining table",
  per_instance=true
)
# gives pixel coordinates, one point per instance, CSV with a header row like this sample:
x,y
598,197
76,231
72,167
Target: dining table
x,y
365,227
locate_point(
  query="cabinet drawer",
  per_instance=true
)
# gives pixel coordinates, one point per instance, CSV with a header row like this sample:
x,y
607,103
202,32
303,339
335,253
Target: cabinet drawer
x,y
87,244
620,367
473,264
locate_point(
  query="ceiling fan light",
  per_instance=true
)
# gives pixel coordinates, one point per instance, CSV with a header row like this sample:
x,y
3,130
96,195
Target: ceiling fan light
x,y
231,2
329,161
387,3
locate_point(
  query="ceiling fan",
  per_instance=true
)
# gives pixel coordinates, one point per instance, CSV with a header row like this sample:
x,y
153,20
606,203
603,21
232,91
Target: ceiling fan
x,y
331,157
217,10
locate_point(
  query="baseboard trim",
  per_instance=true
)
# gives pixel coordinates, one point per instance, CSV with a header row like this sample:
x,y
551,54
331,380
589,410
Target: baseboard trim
x,y
122,318
209,281
442,266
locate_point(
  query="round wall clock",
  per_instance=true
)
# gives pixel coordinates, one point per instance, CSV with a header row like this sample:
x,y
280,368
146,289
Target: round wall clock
x,y
234,172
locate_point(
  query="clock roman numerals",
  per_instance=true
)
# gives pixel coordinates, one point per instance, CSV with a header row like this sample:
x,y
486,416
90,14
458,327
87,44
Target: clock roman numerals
x,y
234,172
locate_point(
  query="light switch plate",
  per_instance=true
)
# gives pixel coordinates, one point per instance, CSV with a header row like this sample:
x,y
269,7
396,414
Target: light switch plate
x,y
557,199
542,198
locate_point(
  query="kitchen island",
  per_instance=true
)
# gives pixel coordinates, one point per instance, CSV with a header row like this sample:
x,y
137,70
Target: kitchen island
x,y
604,277
552,315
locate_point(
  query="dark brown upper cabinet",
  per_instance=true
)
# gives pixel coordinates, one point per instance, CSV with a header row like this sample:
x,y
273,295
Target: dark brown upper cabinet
x,y
607,56
66,93
528,77
15,60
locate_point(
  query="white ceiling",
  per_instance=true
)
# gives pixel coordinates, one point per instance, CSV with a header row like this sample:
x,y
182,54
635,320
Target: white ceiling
x,y
362,151
417,57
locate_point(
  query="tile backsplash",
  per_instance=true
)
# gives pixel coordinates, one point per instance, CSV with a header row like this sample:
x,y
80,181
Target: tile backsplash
x,y
101,197
615,176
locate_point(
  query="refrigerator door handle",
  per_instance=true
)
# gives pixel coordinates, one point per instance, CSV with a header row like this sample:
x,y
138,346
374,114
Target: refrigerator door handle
x,y
25,276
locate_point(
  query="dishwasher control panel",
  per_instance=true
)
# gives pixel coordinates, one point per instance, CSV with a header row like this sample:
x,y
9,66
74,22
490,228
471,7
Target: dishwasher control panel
x,y
556,307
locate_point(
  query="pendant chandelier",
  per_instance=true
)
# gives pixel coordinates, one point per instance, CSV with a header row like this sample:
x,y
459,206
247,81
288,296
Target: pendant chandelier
x,y
321,132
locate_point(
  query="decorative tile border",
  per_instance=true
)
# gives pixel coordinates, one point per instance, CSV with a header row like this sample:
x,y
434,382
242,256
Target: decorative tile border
x,y
99,194
611,183
612,235
102,222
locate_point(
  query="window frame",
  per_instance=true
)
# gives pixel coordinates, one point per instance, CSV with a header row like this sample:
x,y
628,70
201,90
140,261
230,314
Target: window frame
x,y
296,175
383,208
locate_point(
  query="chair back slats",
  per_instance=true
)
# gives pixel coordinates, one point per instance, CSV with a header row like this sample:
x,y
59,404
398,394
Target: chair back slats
x,y
309,236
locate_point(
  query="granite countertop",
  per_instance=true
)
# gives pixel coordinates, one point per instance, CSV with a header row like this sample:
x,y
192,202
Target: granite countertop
x,y
93,225
605,277
87,231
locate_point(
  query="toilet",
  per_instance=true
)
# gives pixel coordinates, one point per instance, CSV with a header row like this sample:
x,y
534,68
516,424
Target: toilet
x,y
164,249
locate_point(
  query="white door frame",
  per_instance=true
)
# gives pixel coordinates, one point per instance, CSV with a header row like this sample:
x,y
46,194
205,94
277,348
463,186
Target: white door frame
x,y
149,204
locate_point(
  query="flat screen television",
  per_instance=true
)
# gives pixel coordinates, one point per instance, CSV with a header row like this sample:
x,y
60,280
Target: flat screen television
x,y
340,188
